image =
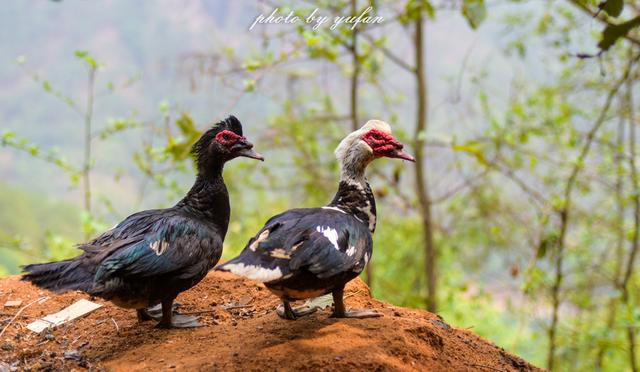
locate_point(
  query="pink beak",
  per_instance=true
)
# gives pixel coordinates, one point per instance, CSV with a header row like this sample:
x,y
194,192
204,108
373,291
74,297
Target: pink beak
x,y
401,155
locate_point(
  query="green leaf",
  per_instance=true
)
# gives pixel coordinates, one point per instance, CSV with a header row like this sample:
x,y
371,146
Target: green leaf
x,y
163,106
472,148
415,9
33,150
249,85
612,33
545,243
252,65
84,55
186,125
474,11
46,86
612,7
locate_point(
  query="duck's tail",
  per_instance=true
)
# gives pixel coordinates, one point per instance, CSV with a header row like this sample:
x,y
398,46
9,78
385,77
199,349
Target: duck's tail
x,y
60,276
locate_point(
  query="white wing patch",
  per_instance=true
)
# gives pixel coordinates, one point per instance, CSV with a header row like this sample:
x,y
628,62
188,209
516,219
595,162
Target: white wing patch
x,y
366,258
159,246
280,253
351,251
330,233
252,272
335,209
263,236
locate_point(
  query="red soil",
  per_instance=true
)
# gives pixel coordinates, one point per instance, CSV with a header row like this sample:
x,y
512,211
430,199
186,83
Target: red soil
x,y
247,337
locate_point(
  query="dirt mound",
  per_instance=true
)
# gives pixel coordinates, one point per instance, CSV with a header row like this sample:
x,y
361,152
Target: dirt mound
x,y
241,332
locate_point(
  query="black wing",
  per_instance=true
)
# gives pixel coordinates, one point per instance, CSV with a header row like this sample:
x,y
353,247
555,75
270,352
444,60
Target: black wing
x,y
161,244
323,241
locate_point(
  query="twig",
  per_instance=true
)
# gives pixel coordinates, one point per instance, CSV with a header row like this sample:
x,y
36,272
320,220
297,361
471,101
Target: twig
x,y
468,182
228,307
116,324
198,312
24,316
352,294
20,311
392,57
601,18
564,213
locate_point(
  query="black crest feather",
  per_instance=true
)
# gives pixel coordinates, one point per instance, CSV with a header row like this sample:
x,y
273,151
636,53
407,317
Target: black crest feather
x,y
230,123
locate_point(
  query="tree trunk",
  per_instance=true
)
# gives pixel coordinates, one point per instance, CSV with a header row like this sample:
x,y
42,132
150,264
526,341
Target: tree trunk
x,y
422,191
635,241
86,166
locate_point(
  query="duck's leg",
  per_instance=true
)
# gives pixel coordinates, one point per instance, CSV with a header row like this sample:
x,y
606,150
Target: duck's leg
x,y
285,311
155,312
171,320
339,310
143,315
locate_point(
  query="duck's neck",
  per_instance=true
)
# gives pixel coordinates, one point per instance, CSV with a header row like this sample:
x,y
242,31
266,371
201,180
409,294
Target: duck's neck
x,y
354,194
208,199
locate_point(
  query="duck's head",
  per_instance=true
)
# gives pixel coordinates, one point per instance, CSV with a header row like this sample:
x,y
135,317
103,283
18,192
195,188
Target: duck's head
x,y
223,142
374,140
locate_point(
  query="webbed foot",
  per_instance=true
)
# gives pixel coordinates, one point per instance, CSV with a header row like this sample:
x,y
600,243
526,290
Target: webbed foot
x,y
155,312
180,321
360,314
340,311
285,311
143,315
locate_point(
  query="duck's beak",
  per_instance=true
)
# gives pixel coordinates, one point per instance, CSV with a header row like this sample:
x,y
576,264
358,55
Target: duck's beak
x,y
245,148
398,153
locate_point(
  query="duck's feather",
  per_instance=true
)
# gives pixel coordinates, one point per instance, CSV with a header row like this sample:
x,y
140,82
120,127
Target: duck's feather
x,y
155,244
324,242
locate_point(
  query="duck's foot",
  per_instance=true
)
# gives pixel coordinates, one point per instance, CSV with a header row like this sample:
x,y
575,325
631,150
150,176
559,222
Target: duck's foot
x,y
155,312
285,311
340,311
180,321
360,314
143,315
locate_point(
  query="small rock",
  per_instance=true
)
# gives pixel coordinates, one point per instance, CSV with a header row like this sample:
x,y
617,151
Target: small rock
x,y
13,303
7,346
73,354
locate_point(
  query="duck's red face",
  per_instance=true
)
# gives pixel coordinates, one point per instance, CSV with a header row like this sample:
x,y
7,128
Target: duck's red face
x,y
237,145
228,138
384,144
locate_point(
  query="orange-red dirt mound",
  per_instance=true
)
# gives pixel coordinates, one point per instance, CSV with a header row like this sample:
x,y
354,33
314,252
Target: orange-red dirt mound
x,y
241,332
